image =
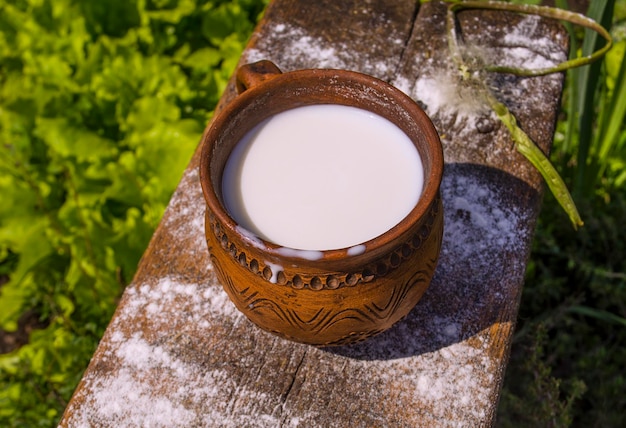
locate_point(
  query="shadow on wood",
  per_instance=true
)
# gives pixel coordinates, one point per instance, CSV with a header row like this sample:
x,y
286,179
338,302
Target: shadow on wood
x,y
483,233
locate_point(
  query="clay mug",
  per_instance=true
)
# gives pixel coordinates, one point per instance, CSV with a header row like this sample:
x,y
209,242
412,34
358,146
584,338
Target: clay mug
x,y
340,296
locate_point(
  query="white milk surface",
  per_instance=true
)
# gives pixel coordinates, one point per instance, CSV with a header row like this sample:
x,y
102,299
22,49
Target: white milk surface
x,y
322,177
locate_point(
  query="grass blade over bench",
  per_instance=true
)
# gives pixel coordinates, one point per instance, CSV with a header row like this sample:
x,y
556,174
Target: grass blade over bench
x,y
472,72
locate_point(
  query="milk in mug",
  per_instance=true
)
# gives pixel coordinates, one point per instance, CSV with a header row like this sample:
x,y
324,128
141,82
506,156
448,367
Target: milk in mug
x,y
322,177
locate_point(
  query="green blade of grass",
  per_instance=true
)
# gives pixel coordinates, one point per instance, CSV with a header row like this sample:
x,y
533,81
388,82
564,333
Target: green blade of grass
x,y
598,314
572,100
587,82
537,158
617,112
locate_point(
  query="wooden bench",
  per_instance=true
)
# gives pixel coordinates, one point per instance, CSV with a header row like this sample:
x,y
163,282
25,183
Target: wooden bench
x,y
177,352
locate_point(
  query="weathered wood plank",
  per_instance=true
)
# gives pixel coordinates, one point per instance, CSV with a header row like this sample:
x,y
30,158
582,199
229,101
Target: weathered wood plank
x,y
177,353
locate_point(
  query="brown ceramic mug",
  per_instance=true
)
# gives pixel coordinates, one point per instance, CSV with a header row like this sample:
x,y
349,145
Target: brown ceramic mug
x,y
340,296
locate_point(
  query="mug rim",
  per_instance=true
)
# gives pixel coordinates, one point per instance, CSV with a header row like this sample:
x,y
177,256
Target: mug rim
x,y
373,246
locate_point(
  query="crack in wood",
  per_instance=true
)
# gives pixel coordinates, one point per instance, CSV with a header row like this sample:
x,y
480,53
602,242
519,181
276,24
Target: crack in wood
x,y
405,45
286,396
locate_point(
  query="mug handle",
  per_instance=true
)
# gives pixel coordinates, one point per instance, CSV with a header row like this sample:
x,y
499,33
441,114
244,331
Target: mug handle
x,y
250,75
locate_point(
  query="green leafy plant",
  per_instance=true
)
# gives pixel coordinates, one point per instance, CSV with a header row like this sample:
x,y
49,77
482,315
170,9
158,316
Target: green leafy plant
x,y
101,107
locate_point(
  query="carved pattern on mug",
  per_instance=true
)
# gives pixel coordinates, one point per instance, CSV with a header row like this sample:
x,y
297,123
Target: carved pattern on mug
x,y
333,280
366,316
420,277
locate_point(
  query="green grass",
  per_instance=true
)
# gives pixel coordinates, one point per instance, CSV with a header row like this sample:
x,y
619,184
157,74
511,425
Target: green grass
x,y
570,341
567,361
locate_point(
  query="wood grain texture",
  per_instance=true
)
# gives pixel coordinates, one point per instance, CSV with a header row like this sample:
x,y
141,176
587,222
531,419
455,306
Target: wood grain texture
x,y
177,353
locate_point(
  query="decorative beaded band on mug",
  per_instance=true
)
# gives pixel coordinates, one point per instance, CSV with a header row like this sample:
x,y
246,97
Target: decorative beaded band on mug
x,y
272,274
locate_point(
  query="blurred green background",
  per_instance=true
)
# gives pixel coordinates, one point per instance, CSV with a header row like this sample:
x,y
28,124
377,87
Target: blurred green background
x,y
101,106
